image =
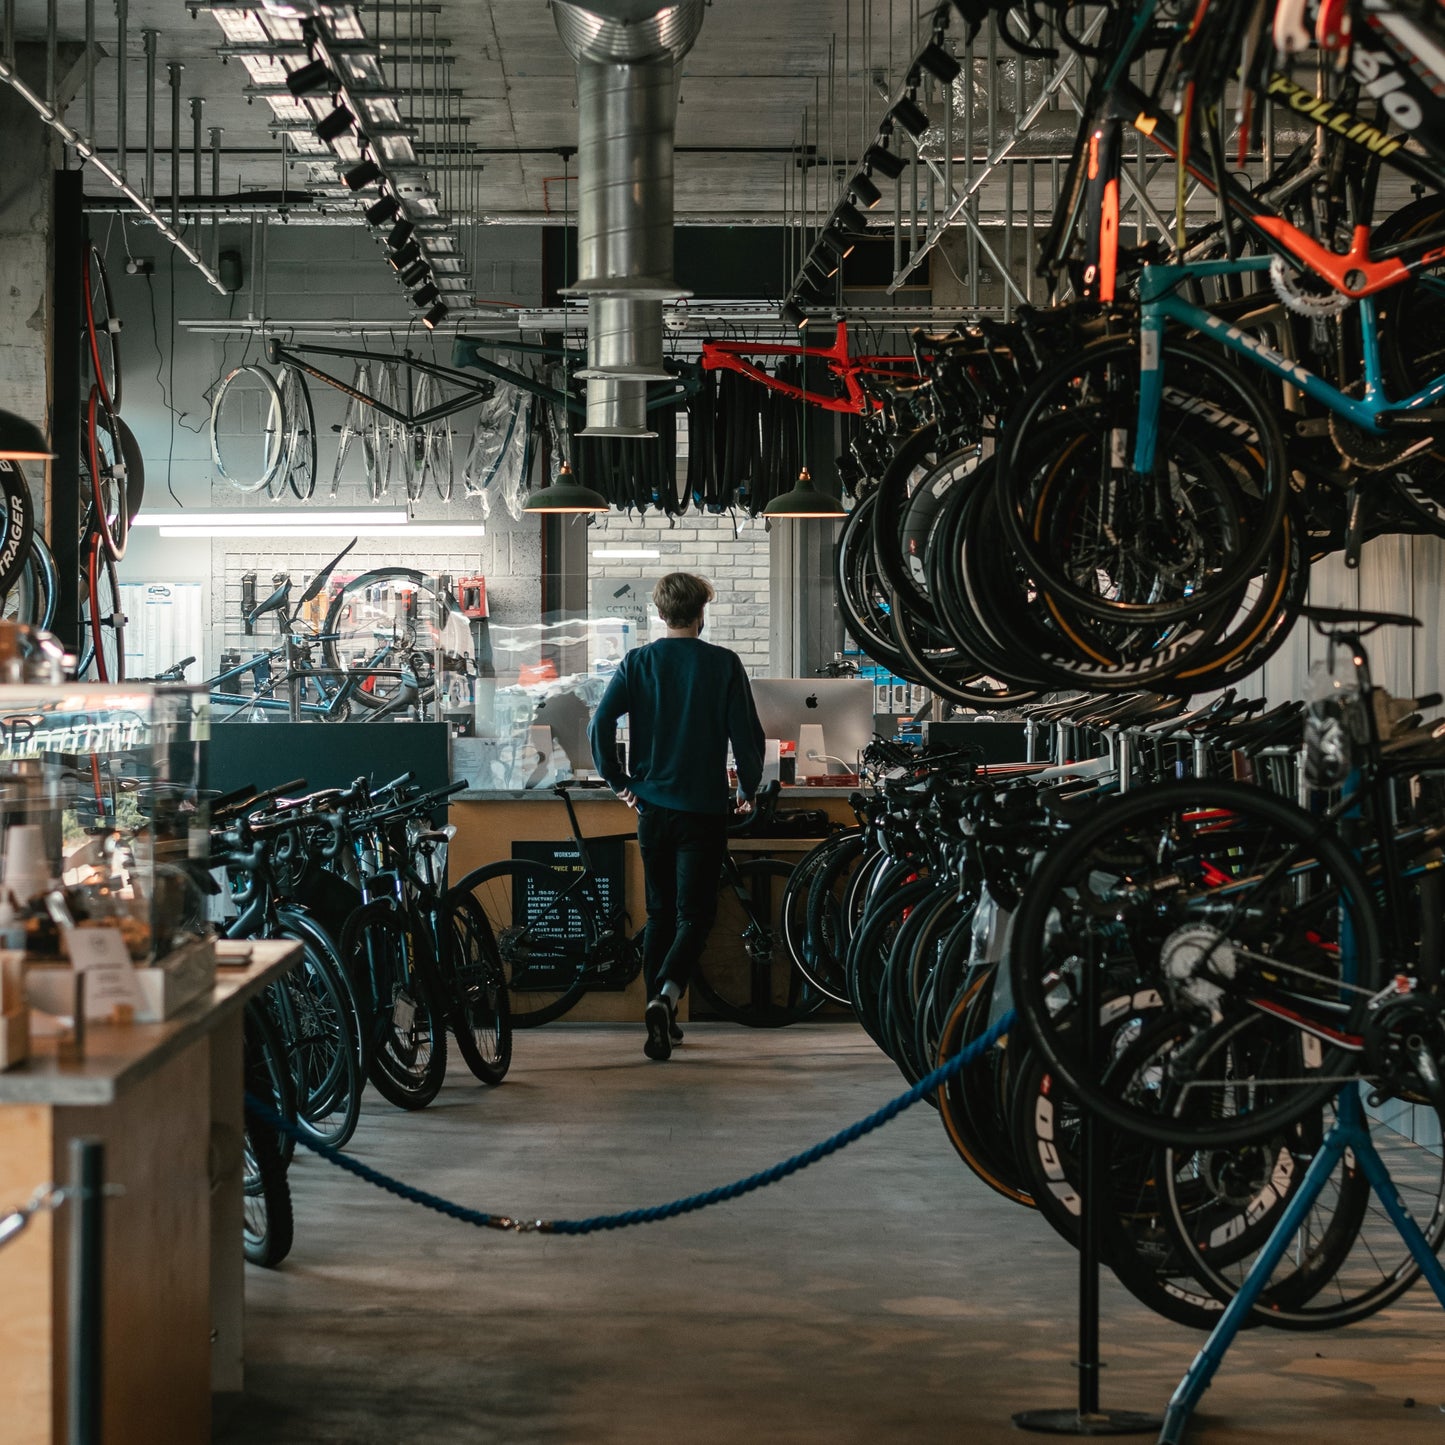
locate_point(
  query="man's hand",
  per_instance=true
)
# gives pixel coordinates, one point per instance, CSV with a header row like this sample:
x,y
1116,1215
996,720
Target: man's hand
x,y
628,797
742,803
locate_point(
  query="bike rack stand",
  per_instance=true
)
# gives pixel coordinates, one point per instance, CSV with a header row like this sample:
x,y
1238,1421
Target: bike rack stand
x,y
1350,1133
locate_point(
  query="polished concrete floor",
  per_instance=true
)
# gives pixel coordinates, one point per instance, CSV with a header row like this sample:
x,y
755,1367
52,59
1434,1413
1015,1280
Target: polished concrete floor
x,y
883,1295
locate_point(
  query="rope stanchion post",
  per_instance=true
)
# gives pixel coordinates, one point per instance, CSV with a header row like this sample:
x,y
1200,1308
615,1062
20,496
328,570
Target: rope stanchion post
x,y
1087,1418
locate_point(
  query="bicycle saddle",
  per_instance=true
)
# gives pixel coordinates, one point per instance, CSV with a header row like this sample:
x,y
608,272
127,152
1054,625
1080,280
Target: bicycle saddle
x,y
1348,616
275,602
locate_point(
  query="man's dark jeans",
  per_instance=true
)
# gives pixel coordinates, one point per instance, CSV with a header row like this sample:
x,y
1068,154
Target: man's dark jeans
x,y
682,859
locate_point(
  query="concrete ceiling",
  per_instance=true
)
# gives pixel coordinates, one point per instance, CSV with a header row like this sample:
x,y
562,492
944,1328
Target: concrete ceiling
x,y
757,66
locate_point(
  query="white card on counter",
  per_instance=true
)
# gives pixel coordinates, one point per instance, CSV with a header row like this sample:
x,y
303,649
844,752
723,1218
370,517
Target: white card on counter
x,y
101,955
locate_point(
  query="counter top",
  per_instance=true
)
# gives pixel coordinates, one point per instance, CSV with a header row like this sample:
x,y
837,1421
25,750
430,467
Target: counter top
x,y
117,1056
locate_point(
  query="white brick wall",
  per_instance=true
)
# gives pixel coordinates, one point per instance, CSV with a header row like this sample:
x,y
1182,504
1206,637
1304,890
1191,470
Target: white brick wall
x,y
736,565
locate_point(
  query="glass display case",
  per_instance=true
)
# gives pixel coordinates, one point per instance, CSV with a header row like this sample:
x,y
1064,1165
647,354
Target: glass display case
x,y
101,810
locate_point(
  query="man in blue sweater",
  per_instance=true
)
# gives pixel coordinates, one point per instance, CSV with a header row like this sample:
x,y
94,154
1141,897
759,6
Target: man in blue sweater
x,y
685,701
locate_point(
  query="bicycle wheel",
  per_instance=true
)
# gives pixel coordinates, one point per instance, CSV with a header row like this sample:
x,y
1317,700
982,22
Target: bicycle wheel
x,y
32,598
353,423
756,984
309,1009
248,431
379,620
416,448
1346,1259
862,598
547,950
1244,916
472,964
267,1228
299,470
824,934
102,329
18,537
871,944
264,1040
102,618
443,458
407,1057
110,510
380,437
1136,1242
975,1127
1108,542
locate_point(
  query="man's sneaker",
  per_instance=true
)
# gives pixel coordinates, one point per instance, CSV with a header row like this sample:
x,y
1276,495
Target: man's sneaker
x,y
661,1018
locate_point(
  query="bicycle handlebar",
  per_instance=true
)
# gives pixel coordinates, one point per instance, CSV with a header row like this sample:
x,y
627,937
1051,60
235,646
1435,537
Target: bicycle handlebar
x,y
232,805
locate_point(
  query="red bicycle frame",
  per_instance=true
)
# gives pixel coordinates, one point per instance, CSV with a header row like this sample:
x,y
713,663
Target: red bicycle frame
x,y
732,356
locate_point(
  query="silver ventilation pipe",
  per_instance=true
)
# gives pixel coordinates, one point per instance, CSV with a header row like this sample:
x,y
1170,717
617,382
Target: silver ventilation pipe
x,y
627,108
616,407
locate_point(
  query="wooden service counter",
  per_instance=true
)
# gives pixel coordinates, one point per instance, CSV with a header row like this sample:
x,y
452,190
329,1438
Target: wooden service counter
x,y
488,823
165,1100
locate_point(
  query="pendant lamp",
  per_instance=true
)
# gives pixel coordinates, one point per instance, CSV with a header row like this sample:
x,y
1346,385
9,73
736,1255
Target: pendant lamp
x,y
21,440
804,501
566,496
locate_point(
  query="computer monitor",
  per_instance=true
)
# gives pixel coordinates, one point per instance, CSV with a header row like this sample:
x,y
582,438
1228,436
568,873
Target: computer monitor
x,y
842,706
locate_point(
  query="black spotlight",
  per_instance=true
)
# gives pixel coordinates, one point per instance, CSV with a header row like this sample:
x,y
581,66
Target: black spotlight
x,y
425,295
403,257
807,287
864,190
334,126
415,274
363,175
378,213
938,62
882,160
819,265
849,218
790,314
837,242
312,76
435,316
907,113
400,234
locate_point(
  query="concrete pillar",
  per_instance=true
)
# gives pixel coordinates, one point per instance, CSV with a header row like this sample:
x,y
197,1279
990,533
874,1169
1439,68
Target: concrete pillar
x,y
28,159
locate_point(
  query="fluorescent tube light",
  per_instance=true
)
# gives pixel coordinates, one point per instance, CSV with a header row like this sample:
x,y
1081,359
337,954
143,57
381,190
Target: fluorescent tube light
x,y
620,552
264,517
278,529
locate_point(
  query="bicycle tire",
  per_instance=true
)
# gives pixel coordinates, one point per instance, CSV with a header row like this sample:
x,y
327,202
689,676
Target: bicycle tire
x,y
826,883
110,509
407,1057
1047,1122
102,328
19,537
1213,411
755,995
103,620
299,471
353,423
353,605
472,965
262,1037
267,1221
527,957
244,422
379,439
870,946
32,598
1217,829
1346,1261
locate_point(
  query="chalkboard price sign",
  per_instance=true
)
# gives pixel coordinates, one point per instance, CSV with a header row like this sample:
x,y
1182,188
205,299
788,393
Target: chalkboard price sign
x,y
534,901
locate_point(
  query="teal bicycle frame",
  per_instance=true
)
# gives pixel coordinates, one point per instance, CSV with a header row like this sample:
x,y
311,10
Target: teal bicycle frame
x,y
1160,303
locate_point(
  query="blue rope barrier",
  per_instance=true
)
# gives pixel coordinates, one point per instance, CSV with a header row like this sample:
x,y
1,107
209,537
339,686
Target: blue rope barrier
x,y
657,1212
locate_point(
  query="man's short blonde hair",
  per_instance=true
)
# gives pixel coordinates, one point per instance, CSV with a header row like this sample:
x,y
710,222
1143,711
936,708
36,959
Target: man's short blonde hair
x,y
680,597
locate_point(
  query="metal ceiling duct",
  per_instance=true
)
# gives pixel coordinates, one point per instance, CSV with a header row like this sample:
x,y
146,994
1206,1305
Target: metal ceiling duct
x,y
624,339
626,115
626,53
616,407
